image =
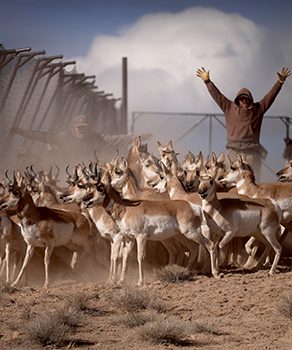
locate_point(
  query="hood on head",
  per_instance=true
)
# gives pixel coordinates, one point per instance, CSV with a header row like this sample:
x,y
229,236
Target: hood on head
x,y
243,92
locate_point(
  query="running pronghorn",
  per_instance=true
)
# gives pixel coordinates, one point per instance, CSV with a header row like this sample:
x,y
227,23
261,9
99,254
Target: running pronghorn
x,y
285,174
104,223
235,217
45,227
150,220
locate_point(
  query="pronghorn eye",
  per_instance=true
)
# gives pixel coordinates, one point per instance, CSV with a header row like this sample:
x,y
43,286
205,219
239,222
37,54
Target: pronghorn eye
x,y
15,193
118,172
211,182
197,173
99,189
80,185
232,168
207,167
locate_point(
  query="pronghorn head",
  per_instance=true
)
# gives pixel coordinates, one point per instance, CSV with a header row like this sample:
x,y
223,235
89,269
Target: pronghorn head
x,y
120,174
16,190
192,167
166,153
285,174
207,185
81,185
236,171
97,192
215,165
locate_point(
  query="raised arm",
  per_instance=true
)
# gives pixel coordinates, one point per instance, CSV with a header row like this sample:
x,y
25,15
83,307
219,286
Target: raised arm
x,y
222,101
269,98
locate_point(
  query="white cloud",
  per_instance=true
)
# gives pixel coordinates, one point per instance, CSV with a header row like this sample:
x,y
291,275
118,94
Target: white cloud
x,y
165,49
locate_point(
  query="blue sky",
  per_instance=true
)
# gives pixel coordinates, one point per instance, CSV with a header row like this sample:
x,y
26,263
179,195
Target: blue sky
x,y
243,43
69,26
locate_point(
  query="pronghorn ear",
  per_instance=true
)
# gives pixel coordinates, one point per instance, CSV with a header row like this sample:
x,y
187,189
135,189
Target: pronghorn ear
x,y
229,161
124,163
169,146
159,146
214,158
115,161
221,158
239,158
137,141
199,158
206,161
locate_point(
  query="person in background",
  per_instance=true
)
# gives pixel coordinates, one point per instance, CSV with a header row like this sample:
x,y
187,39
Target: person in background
x,y
244,118
80,143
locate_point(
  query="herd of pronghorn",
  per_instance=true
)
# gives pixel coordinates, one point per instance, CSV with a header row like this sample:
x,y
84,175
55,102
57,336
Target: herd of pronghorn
x,y
205,216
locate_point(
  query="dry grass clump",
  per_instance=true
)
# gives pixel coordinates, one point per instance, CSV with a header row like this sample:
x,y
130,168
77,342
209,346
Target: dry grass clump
x,y
137,319
174,274
285,306
48,328
132,299
51,327
164,330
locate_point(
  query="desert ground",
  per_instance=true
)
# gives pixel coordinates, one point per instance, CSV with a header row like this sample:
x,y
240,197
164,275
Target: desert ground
x,y
240,311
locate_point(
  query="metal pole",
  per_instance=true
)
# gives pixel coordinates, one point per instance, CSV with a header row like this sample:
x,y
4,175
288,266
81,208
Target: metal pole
x,y
125,94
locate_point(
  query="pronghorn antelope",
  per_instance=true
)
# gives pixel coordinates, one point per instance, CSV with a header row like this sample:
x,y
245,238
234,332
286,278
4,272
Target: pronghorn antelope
x,y
192,166
150,220
123,181
104,223
44,227
285,174
235,217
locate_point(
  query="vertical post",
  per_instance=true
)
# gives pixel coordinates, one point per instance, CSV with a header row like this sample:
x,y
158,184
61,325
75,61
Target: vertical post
x,y
210,134
124,95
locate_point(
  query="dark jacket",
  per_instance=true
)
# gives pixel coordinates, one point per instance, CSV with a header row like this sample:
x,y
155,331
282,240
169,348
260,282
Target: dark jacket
x,y
243,124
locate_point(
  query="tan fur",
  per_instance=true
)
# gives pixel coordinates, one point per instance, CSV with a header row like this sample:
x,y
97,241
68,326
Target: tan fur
x,y
153,220
45,227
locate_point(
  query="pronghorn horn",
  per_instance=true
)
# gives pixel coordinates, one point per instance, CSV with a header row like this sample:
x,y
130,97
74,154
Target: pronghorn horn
x,y
58,172
50,173
6,175
33,172
67,172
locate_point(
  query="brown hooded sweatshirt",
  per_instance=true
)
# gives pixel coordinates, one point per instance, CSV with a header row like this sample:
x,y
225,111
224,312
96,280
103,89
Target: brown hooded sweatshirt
x,y
243,124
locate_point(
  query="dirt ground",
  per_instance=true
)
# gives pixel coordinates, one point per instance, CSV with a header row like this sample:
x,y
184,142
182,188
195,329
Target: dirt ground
x,y
242,309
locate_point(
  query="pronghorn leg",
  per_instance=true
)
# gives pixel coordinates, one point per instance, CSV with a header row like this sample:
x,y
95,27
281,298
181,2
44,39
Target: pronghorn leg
x,y
272,239
115,252
47,257
193,248
129,243
171,249
7,260
141,250
28,255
